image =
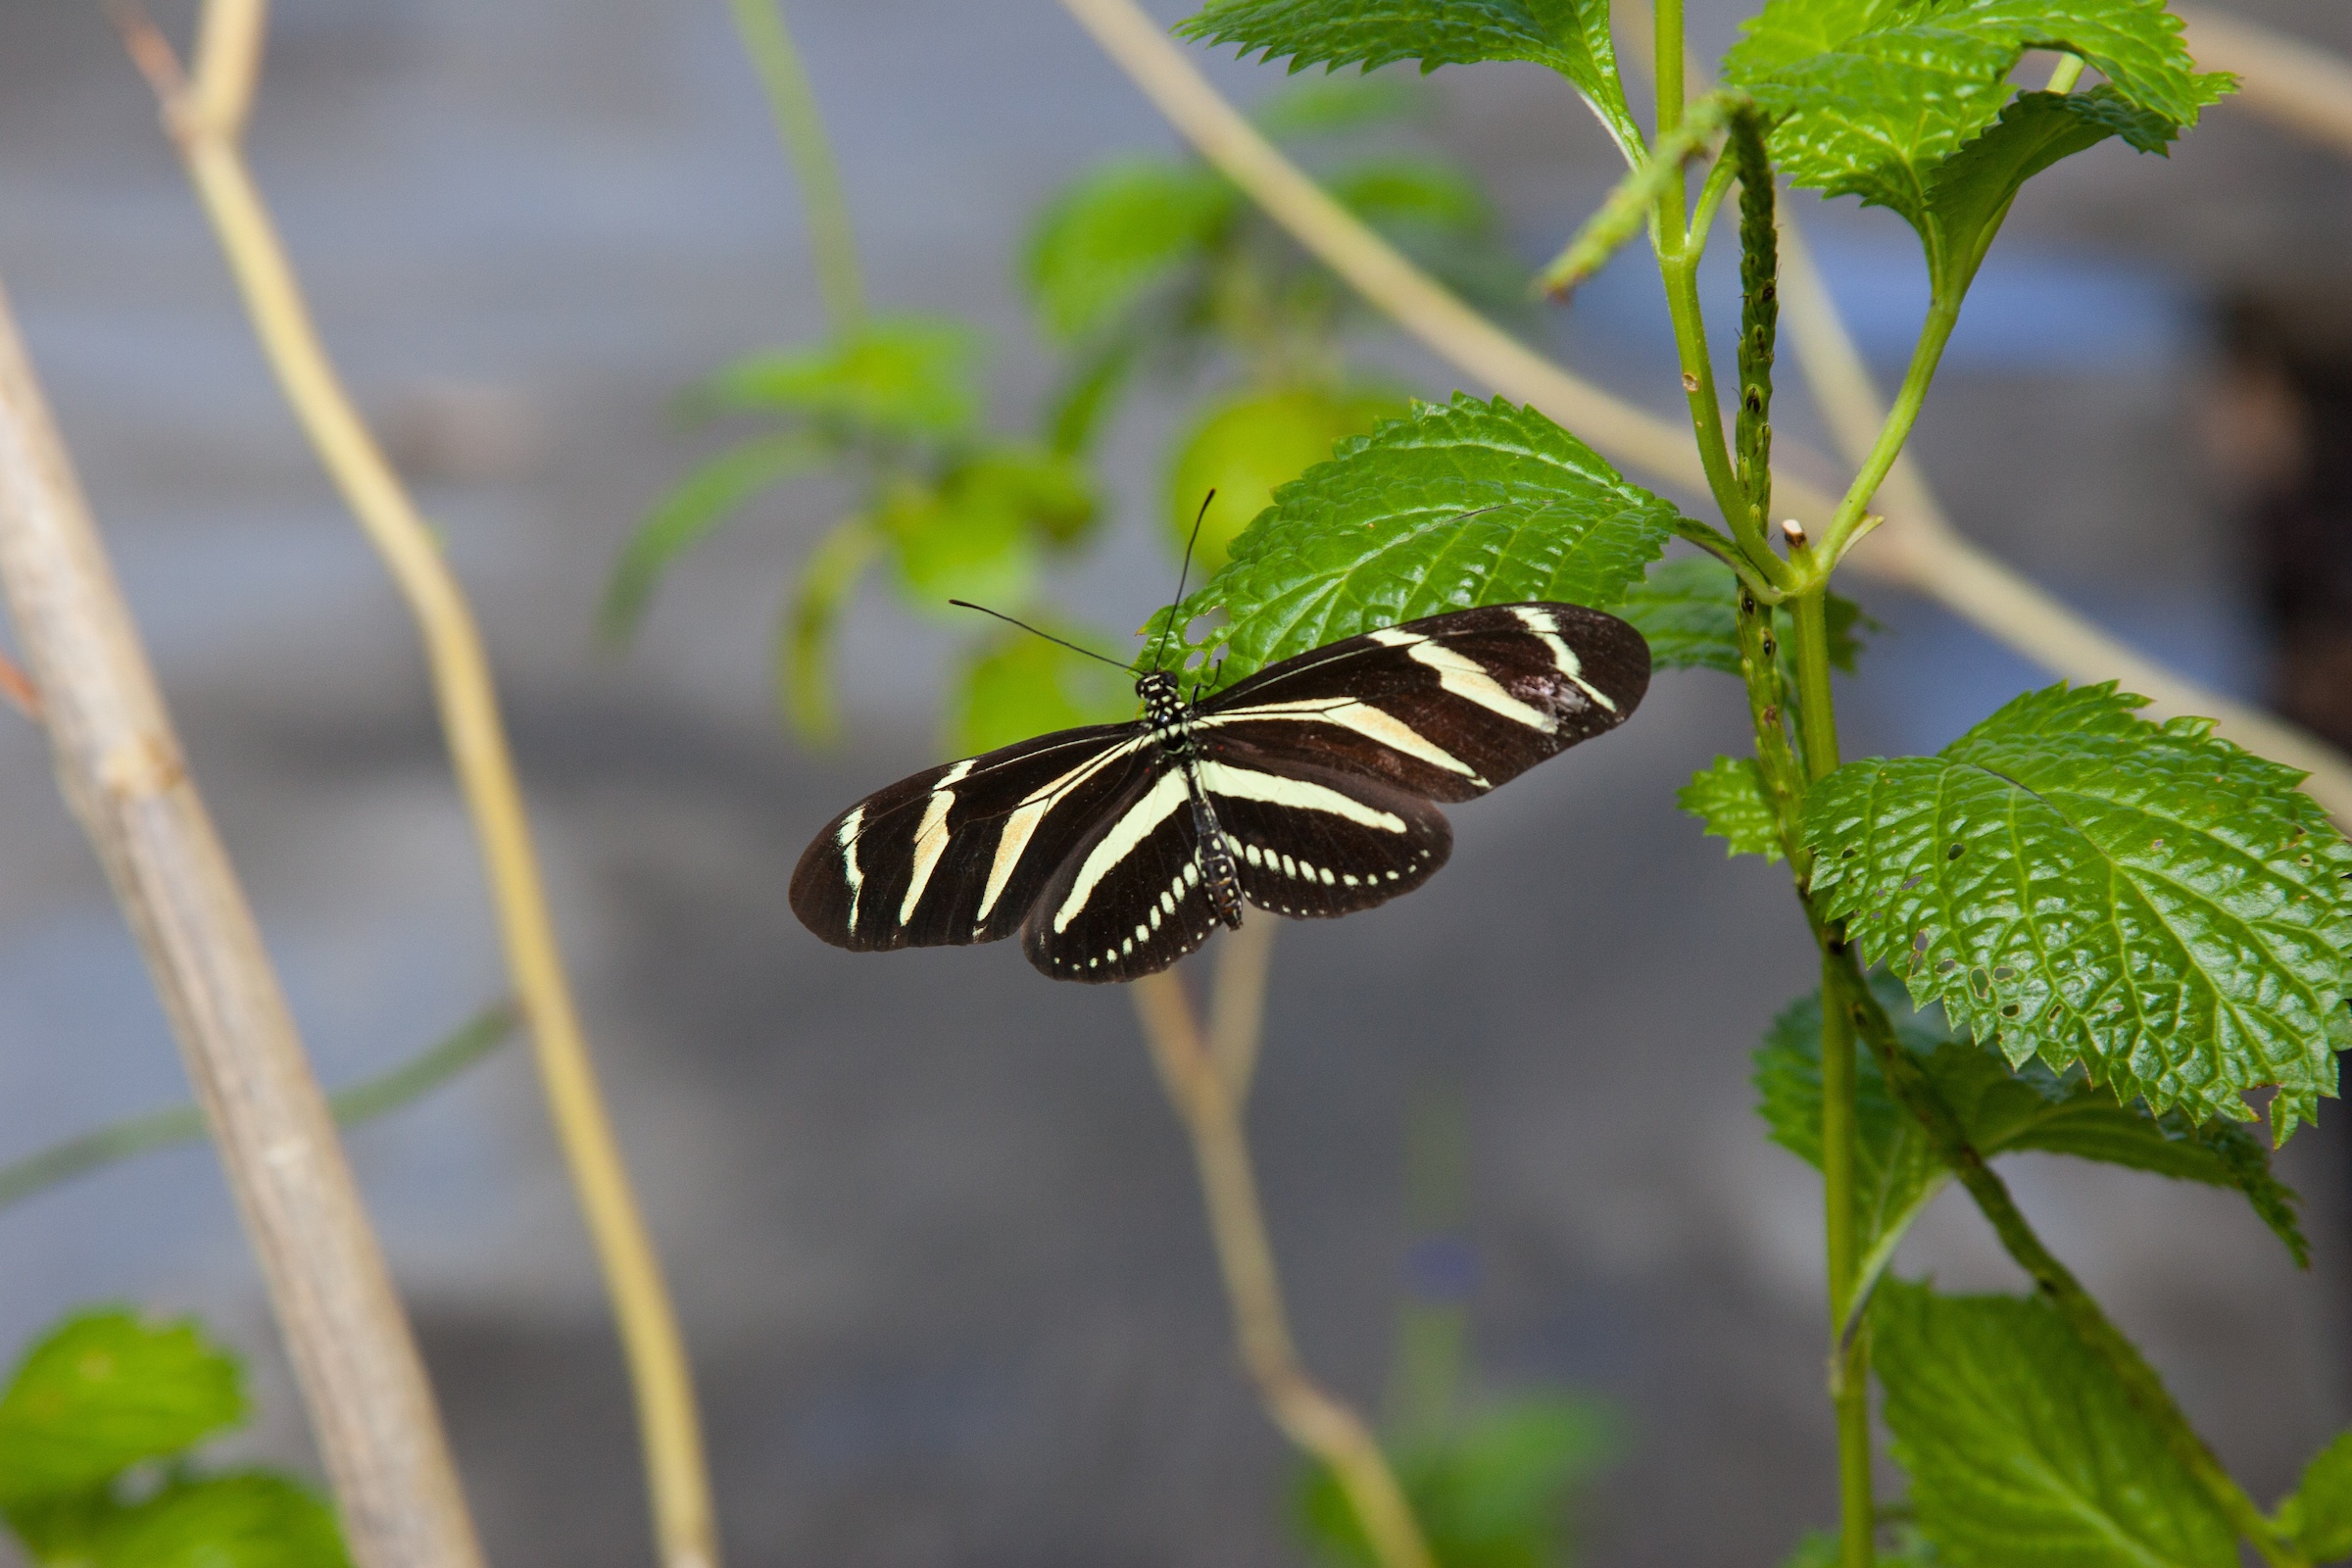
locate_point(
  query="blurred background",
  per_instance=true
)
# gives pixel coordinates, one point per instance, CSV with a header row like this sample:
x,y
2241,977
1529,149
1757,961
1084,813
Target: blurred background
x,y
932,1226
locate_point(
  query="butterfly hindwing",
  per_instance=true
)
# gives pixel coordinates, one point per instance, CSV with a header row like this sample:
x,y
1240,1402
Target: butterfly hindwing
x,y
1129,900
1311,841
958,854
1448,707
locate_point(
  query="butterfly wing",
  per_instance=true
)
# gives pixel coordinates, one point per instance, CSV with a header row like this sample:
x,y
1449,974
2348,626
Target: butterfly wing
x,y
1129,900
1312,841
958,854
1445,707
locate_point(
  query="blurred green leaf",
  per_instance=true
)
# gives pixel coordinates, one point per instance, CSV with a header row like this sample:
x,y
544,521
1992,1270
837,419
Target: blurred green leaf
x,y
893,377
1114,232
1246,443
1332,106
1728,795
828,580
1053,491
1571,36
1423,192
1493,1493
1463,503
2073,881
1015,686
1820,1549
2022,1449
1089,392
2318,1517
695,507
252,1520
104,1391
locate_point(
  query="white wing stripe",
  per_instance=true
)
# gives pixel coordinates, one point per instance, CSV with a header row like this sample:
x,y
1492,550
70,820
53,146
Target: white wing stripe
x,y
1247,784
931,839
1468,679
1023,823
1159,804
1351,713
1563,657
851,871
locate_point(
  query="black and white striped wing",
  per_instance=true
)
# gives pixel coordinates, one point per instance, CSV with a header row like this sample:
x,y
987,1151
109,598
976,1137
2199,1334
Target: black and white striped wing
x,y
1310,841
1130,900
959,853
1445,707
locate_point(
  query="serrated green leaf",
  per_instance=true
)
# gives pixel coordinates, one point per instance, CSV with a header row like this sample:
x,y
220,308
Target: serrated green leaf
x,y
1017,686
694,508
1493,1493
251,1520
1571,36
1728,795
1329,106
2146,900
895,378
2136,44
1116,231
2022,1449
1688,611
1456,504
829,577
2318,1517
1244,444
104,1391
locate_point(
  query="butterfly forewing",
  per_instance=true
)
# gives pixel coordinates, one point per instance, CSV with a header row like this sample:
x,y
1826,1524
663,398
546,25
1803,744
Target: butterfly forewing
x,y
1311,841
1448,707
958,854
1130,900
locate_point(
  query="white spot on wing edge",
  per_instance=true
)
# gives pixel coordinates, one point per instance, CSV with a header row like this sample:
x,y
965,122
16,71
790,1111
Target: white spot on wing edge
x,y
1247,784
1159,802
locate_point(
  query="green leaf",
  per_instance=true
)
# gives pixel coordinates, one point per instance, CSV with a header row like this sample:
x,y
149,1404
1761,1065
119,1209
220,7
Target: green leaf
x,y
1571,36
252,1520
1402,192
1729,798
1089,392
1116,231
1017,686
2001,1111
895,378
1820,1549
1689,610
2319,1516
829,579
1456,504
2022,1449
104,1391
1244,444
2146,900
1493,1493
1333,106
698,503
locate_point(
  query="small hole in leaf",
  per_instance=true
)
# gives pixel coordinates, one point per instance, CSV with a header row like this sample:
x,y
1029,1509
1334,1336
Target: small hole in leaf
x,y
2304,859
2003,973
1947,966
1980,984
2009,1011
1914,882
1846,854
1955,851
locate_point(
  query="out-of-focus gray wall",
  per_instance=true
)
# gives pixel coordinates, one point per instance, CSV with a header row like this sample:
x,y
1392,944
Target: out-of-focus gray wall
x,y
932,1228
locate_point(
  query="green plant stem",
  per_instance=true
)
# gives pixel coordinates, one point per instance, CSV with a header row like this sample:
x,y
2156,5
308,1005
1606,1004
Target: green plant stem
x,y
793,103
1849,1343
1943,312
133,1135
1843,979
1666,39
1678,268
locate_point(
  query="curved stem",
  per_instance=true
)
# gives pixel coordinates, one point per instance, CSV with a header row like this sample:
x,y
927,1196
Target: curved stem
x,y
1944,314
1237,1006
793,103
1311,1418
468,701
169,1128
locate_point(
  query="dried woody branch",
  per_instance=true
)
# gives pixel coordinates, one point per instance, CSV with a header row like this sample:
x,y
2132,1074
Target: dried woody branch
x,y
1917,549
203,117
1209,1107
120,769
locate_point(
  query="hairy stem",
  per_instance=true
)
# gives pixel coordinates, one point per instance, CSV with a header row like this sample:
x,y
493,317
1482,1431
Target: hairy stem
x,y
1309,1416
156,1130
671,1427
793,103
1843,983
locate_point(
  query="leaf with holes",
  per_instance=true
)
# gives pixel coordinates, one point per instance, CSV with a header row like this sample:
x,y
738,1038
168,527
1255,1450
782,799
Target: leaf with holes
x,y
2146,900
1728,795
1571,36
1453,505
2022,1449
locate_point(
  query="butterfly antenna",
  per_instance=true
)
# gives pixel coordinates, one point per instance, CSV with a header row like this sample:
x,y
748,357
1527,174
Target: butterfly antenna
x,y
1181,571
965,604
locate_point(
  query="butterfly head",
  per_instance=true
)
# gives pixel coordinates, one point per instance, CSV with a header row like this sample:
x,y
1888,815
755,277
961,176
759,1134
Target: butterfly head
x,y
1163,703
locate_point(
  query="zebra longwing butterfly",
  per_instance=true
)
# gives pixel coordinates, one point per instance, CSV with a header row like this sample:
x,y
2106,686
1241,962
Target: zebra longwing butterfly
x,y
1308,789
